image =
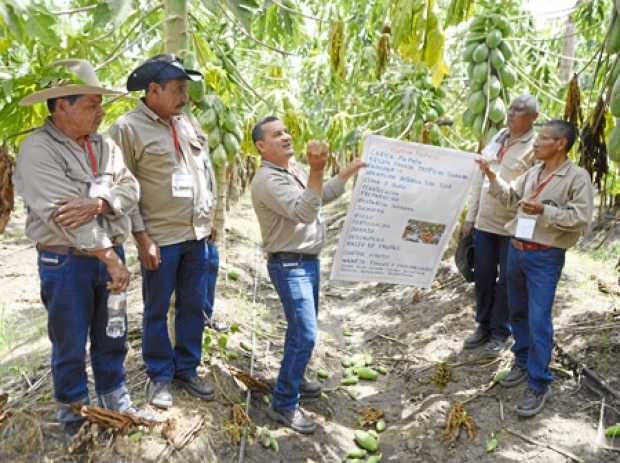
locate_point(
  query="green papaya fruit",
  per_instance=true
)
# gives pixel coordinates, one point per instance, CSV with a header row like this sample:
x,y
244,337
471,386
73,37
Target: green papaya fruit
x,y
497,111
208,120
357,453
213,101
380,425
375,458
218,157
480,72
497,59
438,107
507,77
214,137
468,118
613,431
322,373
503,25
613,144
481,53
366,441
469,51
229,122
478,126
231,144
494,38
196,90
506,50
367,373
435,135
614,103
476,102
612,45
349,381
492,87
478,23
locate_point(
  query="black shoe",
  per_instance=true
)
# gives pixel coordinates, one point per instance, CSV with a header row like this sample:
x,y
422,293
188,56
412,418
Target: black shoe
x,y
495,346
477,339
309,389
196,387
294,419
159,394
217,325
532,402
516,376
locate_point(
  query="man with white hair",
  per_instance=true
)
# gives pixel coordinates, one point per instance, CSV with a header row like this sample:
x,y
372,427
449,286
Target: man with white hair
x,y
510,155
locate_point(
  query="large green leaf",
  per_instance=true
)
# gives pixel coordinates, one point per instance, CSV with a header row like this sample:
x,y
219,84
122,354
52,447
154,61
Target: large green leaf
x,y
41,25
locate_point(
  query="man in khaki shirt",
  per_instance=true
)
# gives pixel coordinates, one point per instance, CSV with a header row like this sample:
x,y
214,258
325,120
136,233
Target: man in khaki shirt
x,y
510,152
554,204
78,194
287,203
169,157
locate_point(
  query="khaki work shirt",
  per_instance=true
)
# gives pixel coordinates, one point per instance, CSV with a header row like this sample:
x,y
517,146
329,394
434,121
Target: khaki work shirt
x,y
486,212
568,199
150,153
289,213
51,167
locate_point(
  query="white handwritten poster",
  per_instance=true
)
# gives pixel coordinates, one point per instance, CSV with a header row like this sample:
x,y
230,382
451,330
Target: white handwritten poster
x,y
403,212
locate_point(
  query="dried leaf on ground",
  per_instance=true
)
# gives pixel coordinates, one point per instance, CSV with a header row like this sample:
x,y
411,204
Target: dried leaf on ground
x,y
252,383
369,416
183,438
457,419
442,375
115,420
239,424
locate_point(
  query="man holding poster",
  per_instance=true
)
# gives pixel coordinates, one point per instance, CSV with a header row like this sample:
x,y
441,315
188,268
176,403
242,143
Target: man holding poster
x,y
287,203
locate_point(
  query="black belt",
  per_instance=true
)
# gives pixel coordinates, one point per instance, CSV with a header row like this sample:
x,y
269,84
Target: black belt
x,y
290,256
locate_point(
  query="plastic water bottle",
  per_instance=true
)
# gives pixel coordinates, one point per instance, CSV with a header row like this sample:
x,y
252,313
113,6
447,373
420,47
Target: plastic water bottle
x,y
117,314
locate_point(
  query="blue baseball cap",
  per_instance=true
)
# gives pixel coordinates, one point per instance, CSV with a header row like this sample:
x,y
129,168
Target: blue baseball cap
x,y
158,69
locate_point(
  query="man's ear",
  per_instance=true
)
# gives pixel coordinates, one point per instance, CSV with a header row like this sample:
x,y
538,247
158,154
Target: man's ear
x,y
260,145
154,87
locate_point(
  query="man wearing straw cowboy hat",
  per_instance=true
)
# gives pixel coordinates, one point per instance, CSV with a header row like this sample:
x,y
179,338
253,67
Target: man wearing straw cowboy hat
x,y
78,194
169,157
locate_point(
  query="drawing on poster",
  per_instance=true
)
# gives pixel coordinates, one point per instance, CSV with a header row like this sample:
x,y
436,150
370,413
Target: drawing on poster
x,y
419,231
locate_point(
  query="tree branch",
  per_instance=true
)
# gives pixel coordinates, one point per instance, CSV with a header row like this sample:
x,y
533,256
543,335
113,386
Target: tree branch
x,y
74,10
291,10
251,37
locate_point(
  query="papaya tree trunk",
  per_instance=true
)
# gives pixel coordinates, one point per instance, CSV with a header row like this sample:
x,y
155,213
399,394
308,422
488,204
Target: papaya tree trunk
x,y
220,206
175,41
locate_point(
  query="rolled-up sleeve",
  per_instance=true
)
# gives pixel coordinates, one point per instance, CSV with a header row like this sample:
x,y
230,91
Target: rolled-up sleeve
x,y
124,193
43,183
508,193
332,189
277,194
576,214
121,135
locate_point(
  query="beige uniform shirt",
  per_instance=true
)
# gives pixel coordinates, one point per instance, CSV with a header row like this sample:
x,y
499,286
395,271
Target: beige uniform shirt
x,y
150,153
568,198
51,167
486,212
288,212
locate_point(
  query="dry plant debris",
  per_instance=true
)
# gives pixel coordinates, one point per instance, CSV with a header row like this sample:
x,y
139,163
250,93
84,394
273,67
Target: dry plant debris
x,y
239,424
442,375
6,186
458,419
252,383
370,416
116,420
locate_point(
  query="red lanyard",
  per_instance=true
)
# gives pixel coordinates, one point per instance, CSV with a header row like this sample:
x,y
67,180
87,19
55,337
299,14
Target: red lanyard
x,y
541,186
503,149
175,139
93,160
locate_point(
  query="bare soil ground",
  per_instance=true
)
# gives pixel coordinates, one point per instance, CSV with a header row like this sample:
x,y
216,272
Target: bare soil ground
x,y
408,331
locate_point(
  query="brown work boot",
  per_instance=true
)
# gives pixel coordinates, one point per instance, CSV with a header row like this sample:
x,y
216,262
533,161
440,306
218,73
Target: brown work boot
x,y
294,419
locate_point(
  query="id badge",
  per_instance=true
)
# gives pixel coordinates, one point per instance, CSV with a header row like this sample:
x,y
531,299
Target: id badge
x,y
525,226
182,184
98,188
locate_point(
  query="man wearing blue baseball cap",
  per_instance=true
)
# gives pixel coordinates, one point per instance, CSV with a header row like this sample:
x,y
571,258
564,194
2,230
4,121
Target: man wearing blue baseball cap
x,y
169,157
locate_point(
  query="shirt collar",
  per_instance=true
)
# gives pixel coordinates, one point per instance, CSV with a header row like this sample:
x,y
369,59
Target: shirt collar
x,y
560,171
61,137
148,112
526,137
271,165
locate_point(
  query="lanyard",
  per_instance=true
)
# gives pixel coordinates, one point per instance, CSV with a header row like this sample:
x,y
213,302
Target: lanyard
x,y
541,186
503,149
91,154
175,139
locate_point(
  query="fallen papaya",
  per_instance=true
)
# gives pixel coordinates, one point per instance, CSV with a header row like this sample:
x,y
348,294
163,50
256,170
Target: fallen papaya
x,y
367,373
366,441
349,381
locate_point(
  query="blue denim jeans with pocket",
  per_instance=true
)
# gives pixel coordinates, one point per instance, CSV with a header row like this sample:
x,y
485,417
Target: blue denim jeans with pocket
x,y
213,266
183,270
491,255
297,283
73,290
532,280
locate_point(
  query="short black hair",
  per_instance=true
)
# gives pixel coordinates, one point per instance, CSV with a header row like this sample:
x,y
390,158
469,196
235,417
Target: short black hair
x,y
161,83
51,102
257,131
564,129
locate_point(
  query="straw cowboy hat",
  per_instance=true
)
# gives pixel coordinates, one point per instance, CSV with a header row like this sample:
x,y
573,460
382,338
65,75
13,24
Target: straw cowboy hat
x,y
89,84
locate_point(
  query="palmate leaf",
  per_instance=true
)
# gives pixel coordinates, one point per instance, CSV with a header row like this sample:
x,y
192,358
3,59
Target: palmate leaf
x,y
111,11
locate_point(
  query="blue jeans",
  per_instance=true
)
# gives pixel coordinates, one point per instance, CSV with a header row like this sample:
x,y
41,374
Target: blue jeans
x,y
532,280
183,270
297,284
491,299
212,268
73,290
